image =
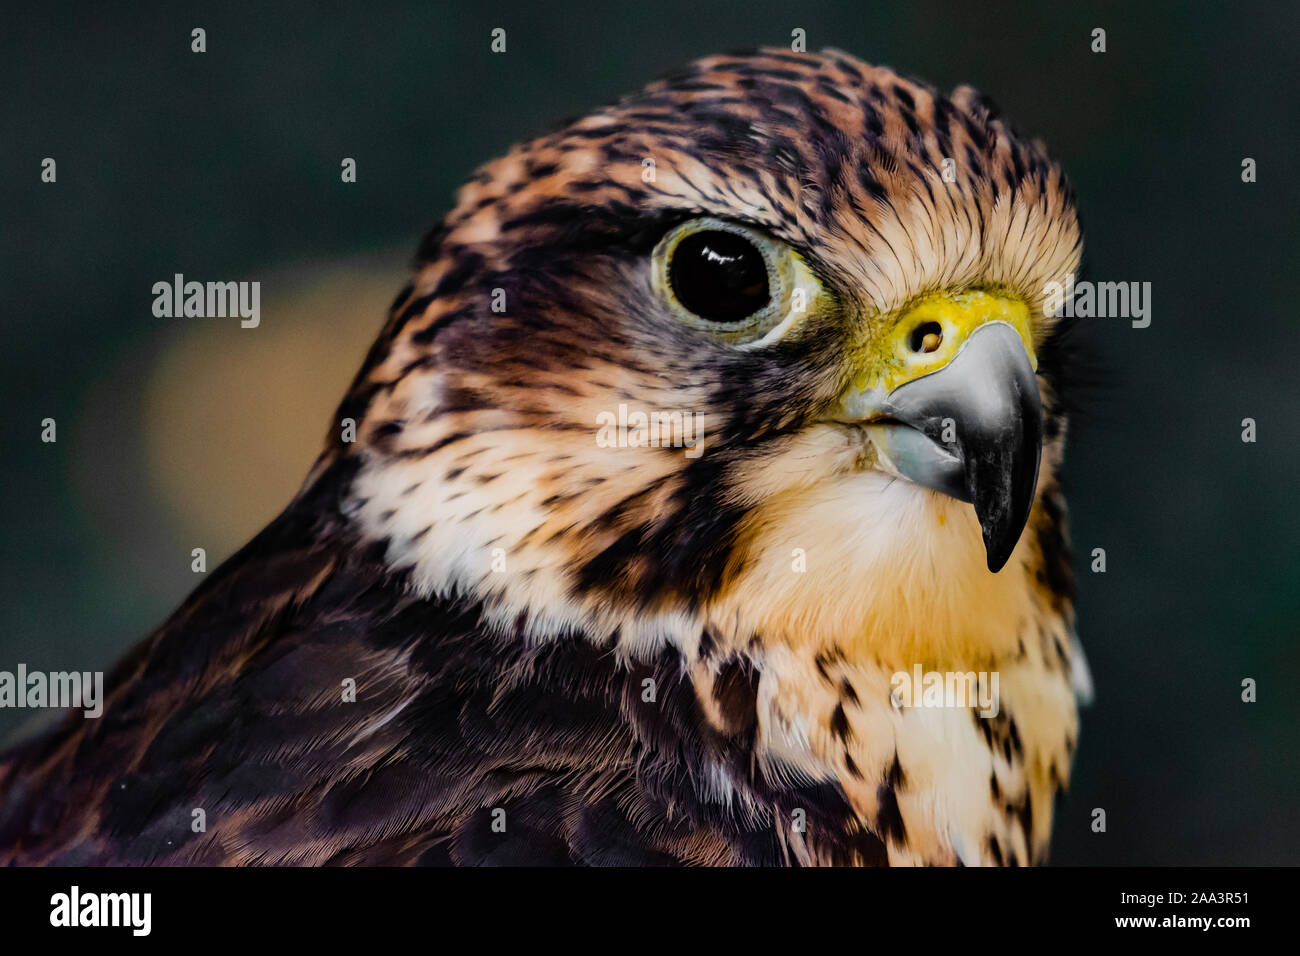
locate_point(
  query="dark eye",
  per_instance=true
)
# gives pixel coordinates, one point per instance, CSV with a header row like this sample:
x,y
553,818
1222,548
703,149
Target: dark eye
x,y
720,276
731,281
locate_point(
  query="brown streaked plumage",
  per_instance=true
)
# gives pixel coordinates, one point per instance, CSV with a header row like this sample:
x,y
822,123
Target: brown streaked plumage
x,y
613,645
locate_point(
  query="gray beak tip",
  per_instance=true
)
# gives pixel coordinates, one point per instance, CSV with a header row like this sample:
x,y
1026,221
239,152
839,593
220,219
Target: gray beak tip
x,y
997,557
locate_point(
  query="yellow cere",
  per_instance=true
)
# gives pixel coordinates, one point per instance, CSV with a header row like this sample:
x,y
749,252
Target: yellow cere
x,y
909,349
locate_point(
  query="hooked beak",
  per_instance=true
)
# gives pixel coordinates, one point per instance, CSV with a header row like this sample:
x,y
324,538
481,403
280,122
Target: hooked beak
x,y
972,427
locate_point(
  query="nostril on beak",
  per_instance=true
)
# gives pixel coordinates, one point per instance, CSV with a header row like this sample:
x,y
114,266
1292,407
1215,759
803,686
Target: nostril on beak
x,y
927,337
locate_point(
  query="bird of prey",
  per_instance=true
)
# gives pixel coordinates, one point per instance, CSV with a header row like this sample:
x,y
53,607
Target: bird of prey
x,y
804,299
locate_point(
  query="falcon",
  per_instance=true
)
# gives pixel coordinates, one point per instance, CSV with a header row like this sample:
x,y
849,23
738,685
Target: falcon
x,y
808,295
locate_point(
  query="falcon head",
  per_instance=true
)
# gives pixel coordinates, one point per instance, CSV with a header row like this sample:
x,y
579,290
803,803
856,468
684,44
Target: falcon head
x,y
759,350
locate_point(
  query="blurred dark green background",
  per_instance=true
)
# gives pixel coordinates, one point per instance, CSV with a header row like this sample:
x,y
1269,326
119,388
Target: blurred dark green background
x,y
225,165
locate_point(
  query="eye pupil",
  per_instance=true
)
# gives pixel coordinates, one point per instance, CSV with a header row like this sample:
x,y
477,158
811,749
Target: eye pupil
x,y
719,276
